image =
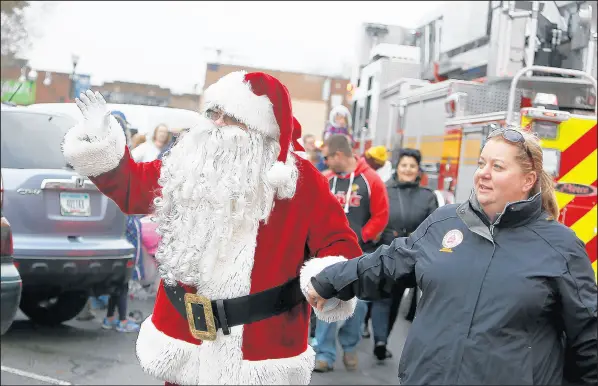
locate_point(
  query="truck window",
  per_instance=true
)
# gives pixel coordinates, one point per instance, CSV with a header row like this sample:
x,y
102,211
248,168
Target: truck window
x,y
552,161
32,140
545,129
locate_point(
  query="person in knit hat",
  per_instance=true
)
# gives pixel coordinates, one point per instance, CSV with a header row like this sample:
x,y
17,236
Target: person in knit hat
x,y
339,122
377,158
245,223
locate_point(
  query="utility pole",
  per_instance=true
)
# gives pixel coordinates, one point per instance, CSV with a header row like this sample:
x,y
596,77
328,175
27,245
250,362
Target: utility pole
x,y
74,60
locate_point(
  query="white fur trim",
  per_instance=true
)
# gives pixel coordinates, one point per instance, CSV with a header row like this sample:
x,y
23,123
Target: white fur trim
x,y
280,174
164,357
90,155
283,177
183,363
311,268
233,94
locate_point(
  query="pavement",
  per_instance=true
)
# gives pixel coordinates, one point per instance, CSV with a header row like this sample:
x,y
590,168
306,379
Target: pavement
x,y
81,353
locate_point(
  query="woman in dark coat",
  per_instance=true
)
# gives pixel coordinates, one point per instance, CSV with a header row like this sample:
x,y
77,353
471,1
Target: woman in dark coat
x,y
508,292
410,205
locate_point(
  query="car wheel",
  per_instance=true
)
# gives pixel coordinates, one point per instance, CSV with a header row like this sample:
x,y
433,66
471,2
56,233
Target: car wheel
x,y
5,326
10,305
55,310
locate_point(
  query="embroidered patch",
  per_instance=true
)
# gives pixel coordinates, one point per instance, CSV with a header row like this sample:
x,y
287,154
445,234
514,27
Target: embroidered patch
x,y
451,239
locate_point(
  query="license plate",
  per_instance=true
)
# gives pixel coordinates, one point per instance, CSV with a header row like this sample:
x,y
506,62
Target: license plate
x,y
75,204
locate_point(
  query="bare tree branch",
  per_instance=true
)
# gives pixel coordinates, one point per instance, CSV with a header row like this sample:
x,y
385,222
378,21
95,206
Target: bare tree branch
x,y
13,31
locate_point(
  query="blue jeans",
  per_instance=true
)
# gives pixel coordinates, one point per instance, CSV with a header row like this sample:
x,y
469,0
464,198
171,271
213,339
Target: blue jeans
x,y
133,234
349,335
380,319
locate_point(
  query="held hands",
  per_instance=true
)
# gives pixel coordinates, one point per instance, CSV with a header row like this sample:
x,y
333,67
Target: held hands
x,y
314,299
95,113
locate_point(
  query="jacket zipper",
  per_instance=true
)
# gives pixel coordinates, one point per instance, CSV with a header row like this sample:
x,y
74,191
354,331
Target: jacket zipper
x,y
493,225
401,208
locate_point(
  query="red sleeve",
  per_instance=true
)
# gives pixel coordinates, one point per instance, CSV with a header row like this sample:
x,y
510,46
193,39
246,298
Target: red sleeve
x,y
132,186
329,232
379,207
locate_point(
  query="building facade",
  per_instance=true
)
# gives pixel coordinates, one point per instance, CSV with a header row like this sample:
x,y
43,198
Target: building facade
x,y
57,87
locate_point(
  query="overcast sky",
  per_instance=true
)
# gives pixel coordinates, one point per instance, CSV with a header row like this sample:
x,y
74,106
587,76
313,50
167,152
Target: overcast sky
x,y
168,43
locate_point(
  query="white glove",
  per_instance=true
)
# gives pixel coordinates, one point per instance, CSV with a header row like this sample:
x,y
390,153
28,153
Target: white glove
x,y
95,113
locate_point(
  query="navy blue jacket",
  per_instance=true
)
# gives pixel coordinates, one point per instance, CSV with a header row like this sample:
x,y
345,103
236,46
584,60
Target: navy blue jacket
x,y
511,302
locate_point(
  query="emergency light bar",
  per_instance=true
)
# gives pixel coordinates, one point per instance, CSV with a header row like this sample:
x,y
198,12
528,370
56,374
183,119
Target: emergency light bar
x,y
546,99
546,115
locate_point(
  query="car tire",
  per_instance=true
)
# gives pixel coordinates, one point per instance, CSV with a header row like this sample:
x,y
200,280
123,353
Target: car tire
x,y
60,309
5,326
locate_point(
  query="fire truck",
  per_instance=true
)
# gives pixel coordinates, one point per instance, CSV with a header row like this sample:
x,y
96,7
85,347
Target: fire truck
x,y
448,118
568,140
449,121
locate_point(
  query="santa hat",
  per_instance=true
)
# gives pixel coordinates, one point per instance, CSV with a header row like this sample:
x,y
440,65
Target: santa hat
x,y
262,103
297,141
297,145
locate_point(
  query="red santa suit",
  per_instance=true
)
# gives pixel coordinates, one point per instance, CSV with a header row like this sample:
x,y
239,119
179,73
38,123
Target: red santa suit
x,y
303,234
297,140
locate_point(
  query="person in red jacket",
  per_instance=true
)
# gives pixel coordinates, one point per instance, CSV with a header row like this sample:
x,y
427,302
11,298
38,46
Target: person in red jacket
x,y
240,215
363,197
359,189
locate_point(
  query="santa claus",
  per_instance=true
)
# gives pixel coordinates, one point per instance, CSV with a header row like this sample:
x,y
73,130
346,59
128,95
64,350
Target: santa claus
x,y
245,223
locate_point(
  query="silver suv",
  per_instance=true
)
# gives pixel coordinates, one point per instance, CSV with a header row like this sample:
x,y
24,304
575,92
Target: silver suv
x,y
69,239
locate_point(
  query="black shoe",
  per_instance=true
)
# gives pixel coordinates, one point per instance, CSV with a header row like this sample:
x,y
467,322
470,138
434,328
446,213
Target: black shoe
x,y
381,352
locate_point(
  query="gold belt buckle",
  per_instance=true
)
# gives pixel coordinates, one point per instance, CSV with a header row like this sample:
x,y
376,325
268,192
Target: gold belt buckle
x,y
190,300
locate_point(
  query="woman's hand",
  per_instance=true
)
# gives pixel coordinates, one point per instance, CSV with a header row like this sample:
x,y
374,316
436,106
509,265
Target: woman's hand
x,y
315,299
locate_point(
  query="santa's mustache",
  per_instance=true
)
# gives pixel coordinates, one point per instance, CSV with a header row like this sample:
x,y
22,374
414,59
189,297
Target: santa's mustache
x,y
224,137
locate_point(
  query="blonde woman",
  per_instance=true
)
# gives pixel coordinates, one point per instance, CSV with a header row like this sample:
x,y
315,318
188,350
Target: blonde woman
x,y
150,150
509,295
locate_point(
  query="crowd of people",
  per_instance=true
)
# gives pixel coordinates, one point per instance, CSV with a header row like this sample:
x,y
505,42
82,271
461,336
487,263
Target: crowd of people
x,y
382,202
250,230
398,223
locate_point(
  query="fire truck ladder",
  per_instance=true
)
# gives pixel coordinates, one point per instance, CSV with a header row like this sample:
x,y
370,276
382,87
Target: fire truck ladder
x,y
548,70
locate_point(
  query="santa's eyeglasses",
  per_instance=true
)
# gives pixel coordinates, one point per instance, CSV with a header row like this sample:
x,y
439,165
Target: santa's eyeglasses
x,y
217,115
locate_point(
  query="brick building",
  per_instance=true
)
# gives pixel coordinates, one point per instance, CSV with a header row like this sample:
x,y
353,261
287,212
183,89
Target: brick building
x,y
146,94
312,96
59,89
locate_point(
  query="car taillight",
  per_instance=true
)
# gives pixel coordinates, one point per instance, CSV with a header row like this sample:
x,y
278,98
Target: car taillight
x,y
6,248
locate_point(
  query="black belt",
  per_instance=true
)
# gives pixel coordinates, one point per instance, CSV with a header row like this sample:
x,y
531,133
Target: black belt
x,y
206,316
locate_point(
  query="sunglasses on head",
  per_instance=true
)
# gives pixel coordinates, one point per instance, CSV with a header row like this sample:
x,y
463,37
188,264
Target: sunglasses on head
x,y
513,136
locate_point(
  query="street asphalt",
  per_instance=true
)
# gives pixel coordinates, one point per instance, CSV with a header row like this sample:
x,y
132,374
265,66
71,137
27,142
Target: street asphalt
x,y
82,353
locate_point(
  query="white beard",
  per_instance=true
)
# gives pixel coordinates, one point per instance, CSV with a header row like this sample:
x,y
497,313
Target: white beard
x,y
214,192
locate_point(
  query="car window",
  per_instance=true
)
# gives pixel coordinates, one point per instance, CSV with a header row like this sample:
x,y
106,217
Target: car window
x,y
33,140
